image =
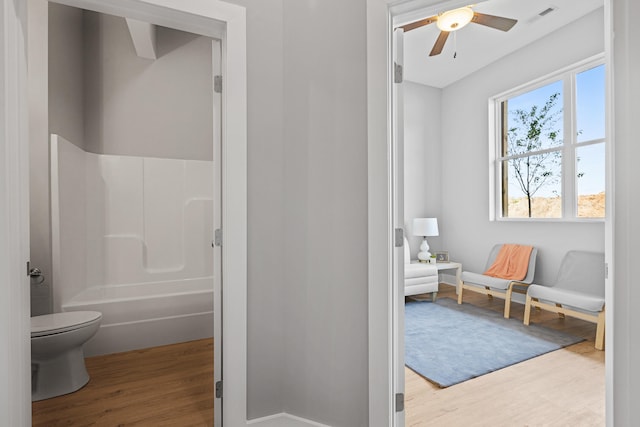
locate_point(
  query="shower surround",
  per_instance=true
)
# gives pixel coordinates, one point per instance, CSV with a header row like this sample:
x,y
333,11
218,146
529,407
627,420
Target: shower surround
x,y
132,239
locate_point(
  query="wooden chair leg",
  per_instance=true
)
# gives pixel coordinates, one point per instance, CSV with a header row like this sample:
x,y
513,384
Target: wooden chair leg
x,y
434,295
507,302
460,293
600,331
527,310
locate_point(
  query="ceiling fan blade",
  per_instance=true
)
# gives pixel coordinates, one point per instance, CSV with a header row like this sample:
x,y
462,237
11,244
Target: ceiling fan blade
x,y
497,22
437,47
420,23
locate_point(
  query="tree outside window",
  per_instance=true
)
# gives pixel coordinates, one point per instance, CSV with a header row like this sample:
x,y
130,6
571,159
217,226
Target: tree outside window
x,y
551,148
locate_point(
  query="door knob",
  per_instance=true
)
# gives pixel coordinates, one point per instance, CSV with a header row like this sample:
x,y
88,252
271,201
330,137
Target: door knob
x,y
35,272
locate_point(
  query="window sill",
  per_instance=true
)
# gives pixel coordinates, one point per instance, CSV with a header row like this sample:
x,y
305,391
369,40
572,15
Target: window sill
x,y
547,220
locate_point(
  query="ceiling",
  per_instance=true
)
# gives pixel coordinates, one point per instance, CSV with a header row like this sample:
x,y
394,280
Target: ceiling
x,y
477,45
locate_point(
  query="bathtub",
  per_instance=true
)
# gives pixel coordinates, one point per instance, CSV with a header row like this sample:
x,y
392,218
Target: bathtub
x,y
145,315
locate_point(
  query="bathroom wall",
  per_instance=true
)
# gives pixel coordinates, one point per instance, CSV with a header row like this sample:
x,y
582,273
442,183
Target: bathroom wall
x,y
38,92
143,107
55,105
124,220
66,77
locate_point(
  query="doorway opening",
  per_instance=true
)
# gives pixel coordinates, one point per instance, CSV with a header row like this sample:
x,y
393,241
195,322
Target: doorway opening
x,y
135,193
214,19
445,173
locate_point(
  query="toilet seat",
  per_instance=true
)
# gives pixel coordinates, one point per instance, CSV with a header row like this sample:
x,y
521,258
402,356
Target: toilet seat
x,y
56,323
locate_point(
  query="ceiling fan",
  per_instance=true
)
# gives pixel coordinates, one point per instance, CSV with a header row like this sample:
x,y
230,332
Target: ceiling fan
x,y
455,19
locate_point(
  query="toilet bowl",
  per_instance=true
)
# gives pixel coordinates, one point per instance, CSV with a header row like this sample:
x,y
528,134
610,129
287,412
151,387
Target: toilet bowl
x,y
57,358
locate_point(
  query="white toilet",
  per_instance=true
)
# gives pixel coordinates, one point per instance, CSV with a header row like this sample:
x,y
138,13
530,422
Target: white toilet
x,y
57,358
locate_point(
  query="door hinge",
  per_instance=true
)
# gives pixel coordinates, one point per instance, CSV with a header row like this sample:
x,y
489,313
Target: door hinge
x,y
219,389
399,402
397,73
217,237
217,84
398,238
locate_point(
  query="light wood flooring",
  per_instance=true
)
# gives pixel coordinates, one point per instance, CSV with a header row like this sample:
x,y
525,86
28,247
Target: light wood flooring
x,y
562,388
173,386
161,386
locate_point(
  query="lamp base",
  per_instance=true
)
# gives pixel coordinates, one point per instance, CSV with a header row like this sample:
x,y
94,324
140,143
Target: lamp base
x,y
424,256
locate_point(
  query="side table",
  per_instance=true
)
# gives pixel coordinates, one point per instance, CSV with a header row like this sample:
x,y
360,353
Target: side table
x,y
442,266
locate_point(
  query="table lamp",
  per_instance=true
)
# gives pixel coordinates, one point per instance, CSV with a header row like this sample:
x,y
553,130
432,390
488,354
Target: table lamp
x,y
425,227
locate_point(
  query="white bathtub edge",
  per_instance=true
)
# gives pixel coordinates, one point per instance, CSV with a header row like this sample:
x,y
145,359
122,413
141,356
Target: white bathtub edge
x,y
116,338
284,420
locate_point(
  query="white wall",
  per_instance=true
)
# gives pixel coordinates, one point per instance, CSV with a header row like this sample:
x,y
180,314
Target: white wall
x,y
325,210
267,290
422,159
141,107
38,87
466,230
307,286
66,79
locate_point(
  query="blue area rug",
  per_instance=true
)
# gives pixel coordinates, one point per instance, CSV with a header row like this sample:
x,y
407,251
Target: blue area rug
x,y
447,343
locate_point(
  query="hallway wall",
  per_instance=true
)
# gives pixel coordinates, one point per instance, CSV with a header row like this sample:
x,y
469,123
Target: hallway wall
x,y
307,263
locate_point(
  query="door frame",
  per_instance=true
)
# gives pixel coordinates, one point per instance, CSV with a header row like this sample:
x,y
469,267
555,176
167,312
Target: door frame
x,y
380,24
15,389
384,278
397,220
213,18
216,70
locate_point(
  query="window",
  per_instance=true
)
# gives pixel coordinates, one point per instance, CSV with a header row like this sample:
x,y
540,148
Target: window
x,y
550,152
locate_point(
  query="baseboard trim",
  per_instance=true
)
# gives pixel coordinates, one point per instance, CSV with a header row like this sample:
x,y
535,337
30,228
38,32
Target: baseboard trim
x,y
284,420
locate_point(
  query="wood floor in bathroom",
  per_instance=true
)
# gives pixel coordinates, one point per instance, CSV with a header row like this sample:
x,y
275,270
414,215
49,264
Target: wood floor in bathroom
x,y
161,386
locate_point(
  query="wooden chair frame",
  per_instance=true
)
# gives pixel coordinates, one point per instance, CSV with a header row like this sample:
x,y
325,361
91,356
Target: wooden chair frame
x,y
498,292
598,319
502,294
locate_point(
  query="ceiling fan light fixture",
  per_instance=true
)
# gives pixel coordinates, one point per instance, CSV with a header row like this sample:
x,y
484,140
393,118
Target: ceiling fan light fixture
x,y
453,20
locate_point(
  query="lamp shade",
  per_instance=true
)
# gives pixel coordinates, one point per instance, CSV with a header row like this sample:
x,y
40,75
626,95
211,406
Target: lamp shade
x,y
425,227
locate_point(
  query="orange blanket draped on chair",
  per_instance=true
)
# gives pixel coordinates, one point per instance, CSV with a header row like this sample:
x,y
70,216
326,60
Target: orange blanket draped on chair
x,y
511,263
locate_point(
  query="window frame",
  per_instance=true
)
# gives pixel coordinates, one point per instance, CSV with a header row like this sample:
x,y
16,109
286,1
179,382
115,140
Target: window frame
x,y
567,75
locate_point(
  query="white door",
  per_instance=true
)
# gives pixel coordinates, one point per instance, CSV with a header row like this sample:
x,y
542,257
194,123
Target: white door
x,y
15,356
397,164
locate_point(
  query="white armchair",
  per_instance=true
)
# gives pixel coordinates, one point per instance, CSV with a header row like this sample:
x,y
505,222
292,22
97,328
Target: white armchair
x,y
419,277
